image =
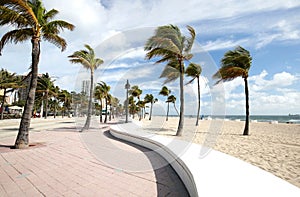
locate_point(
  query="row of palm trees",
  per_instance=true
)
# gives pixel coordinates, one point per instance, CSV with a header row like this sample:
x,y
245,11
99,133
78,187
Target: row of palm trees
x,y
31,21
172,47
8,82
139,106
47,94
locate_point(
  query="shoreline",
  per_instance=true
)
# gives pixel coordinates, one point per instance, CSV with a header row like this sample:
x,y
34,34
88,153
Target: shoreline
x,y
273,147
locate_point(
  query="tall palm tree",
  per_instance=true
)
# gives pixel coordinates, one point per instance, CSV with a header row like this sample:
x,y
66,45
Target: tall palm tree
x,y
31,21
89,61
149,98
99,96
105,93
174,48
165,92
194,71
46,87
236,63
8,82
109,102
172,99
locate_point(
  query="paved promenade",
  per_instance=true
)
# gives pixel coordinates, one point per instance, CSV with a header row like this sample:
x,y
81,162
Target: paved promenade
x,y
64,162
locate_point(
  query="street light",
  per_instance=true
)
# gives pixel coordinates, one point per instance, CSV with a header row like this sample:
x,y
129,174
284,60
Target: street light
x,y
127,86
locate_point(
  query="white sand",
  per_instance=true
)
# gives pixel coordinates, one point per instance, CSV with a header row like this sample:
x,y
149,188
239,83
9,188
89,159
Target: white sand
x,y
272,147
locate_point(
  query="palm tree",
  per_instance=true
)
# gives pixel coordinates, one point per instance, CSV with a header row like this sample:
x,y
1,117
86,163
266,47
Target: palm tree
x,y
55,102
174,48
133,109
104,88
46,87
65,97
89,61
141,108
99,96
109,102
114,106
165,92
135,91
194,71
31,21
235,64
172,99
8,82
149,98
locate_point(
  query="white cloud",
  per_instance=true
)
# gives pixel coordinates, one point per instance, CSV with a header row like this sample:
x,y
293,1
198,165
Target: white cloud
x,y
222,44
263,99
279,80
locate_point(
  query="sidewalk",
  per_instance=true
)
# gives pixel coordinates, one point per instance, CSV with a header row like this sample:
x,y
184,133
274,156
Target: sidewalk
x,y
64,162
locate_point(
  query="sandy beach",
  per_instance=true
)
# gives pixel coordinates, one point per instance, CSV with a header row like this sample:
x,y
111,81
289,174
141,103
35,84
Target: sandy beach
x,y
272,147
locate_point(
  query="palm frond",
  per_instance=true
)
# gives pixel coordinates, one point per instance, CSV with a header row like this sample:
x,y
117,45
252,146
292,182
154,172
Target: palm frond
x,y
11,17
164,43
165,91
229,73
193,70
23,8
170,73
18,35
172,33
55,27
50,14
190,41
166,54
56,40
239,57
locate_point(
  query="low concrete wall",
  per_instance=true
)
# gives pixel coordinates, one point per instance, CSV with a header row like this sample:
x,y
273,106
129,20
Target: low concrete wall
x,y
178,165
210,175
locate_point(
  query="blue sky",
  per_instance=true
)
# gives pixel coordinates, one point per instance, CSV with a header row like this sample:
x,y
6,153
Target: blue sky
x,y
269,29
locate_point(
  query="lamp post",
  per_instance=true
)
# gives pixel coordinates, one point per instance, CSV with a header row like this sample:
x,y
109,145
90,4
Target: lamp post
x,y
127,86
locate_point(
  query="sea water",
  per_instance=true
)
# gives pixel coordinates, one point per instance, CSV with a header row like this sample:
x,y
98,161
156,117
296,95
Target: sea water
x,y
263,118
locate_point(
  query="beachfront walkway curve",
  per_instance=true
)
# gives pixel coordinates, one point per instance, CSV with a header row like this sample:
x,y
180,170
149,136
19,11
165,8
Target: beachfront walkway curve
x,y
64,162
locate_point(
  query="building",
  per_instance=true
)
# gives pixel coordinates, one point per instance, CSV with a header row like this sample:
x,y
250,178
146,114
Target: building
x,y
85,88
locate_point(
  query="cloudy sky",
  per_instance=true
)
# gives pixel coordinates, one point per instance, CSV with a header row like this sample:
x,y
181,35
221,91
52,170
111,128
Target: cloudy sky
x,y
117,29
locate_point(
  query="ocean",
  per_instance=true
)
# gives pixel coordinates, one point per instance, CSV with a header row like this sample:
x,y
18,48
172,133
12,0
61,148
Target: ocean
x,y
258,118
263,118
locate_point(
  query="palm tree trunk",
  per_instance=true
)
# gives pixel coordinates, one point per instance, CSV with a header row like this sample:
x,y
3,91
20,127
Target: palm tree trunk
x,y
105,119
168,112
55,110
176,109
181,115
46,105
22,140
246,130
2,105
89,114
198,112
110,112
101,111
151,111
141,113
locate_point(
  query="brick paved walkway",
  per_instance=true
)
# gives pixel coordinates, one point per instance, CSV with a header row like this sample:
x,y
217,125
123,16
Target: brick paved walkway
x,y
64,162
